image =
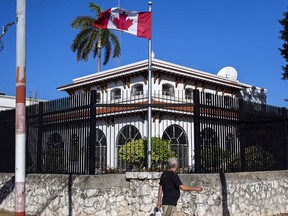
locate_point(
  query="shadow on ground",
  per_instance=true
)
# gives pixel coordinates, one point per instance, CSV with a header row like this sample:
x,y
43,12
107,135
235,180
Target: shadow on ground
x,y
6,189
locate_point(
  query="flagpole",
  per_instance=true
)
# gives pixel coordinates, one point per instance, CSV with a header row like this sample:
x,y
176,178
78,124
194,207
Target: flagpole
x,y
149,95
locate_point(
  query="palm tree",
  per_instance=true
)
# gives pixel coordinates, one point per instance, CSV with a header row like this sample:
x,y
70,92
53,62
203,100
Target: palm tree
x,y
284,49
90,39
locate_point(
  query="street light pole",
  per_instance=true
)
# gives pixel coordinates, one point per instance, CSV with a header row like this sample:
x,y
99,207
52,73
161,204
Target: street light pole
x,y
20,115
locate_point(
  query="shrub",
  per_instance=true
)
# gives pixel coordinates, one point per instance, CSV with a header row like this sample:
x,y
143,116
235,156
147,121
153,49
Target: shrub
x,y
213,157
256,159
135,152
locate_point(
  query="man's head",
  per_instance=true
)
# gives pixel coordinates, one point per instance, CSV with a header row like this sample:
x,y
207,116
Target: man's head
x,y
173,163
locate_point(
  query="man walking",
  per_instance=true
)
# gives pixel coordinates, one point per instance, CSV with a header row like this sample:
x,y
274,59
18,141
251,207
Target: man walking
x,y
169,186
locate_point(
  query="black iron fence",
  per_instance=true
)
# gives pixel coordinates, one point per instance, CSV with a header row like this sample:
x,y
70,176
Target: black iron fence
x,y
7,141
87,134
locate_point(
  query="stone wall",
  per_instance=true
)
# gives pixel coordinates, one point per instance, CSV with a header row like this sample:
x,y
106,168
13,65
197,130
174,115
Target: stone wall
x,y
135,194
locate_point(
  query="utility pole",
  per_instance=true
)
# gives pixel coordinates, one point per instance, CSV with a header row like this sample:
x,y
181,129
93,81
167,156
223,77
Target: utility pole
x,y
20,116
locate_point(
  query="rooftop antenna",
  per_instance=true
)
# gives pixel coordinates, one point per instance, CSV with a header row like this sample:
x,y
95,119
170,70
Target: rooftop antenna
x,y
32,97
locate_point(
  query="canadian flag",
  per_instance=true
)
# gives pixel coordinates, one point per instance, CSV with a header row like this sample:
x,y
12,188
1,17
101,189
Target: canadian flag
x,y
133,22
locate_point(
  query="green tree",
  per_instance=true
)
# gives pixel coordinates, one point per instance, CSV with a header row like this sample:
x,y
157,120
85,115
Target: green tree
x,y
91,39
284,49
135,152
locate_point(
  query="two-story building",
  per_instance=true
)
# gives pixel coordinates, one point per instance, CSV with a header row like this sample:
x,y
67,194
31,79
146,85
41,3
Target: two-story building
x,y
171,83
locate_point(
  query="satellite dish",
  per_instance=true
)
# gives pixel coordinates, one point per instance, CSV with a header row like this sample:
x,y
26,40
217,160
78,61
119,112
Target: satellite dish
x,y
229,73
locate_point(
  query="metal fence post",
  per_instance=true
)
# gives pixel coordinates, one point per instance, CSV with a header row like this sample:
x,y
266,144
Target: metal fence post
x,y
1,139
242,140
284,113
92,142
1,119
39,138
197,141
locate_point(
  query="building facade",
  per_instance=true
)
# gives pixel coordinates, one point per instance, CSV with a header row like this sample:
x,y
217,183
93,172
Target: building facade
x,y
171,85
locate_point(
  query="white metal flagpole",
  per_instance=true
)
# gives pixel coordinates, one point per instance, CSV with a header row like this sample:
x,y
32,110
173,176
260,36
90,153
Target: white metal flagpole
x,y
149,95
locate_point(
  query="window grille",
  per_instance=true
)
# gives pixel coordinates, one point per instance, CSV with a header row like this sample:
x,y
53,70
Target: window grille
x,y
188,94
54,154
178,142
137,90
101,149
74,148
208,137
229,142
168,90
116,94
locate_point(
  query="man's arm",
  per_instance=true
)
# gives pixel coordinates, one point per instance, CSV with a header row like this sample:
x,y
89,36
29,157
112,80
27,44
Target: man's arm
x,y
160,191
187,188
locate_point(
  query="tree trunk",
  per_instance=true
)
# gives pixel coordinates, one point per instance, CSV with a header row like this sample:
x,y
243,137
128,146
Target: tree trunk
x,y
99,53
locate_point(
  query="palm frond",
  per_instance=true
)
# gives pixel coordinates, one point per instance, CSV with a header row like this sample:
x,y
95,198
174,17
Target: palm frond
x,y
95,7
116,44
105,39
83,43
81,55
91,43
82,22
82,35
285,73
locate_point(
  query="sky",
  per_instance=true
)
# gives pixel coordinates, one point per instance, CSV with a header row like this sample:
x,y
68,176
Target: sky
x,y
203,34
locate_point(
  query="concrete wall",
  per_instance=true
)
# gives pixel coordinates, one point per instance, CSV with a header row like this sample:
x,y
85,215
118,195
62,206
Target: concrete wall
x,y
135,194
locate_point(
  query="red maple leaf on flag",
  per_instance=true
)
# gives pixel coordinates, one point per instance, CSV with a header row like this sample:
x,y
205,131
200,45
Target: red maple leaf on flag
x,y
122,23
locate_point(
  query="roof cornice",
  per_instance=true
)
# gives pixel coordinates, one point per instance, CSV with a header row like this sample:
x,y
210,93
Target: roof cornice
x,y
156,65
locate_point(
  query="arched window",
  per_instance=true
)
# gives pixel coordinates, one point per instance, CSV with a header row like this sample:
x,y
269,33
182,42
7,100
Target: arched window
x,y
101,149
115,94
189,93
54,155
137,90
208,138
210,151
125,135
229,142
74,148
168,90
179,143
